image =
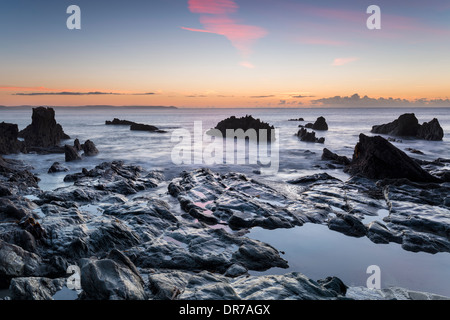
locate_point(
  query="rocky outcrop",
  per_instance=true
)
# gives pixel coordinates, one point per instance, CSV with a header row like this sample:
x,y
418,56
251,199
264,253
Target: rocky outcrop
x,y
331,156
89,149
113,278
376,158
134,126
57,167
35,288
145,127
43,132
8,139
408,125
306,136
71,153
320,124
248,123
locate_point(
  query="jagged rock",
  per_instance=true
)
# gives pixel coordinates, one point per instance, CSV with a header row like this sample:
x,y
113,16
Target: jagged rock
x,y
376,158
431,131
114,278
247,124
77,145
71,153
57,167
313,178
145,127
17,262
118,122
348,225
328,155
43,131
379,233
408,125
306,136
335,284
8,139
35,288
89,149
320,124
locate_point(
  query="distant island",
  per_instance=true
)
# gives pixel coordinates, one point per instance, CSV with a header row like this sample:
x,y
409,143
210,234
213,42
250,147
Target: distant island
x,y
96,107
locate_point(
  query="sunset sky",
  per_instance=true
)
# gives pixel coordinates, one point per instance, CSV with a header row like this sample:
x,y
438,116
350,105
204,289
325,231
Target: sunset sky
x,y
224,53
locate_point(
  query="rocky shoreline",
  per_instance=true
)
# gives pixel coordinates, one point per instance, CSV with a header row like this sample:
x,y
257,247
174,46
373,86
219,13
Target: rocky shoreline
x,y
136,235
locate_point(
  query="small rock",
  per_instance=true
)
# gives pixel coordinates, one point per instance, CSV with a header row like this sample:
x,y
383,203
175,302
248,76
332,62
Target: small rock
x,y
71,153
57,167
89,149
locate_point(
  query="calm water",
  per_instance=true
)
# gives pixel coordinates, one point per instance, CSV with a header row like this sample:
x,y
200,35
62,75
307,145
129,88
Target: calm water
x,y
313,250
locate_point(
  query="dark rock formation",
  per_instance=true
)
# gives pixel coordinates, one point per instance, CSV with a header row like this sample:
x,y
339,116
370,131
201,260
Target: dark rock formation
x,y
247,124
145,127
89,149
299,119
376,158
118,122
57,167
35,288
431,131
43,131
347,224
407,125
8,139
71,153
320,124
77,145
306,136
328,155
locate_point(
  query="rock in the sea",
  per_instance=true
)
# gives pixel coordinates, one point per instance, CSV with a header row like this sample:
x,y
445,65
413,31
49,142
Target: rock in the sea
x,y
347,224
376,158
408,125
299,119
57,167
328,155
114,278
77,145
8,139
43,131
71,153
145,127
90,149
431,131
118,122
255,128
320,124
306,136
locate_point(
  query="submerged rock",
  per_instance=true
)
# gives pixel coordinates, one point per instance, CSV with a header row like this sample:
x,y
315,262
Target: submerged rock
x,y
145,127
57,167
408,125
328,155
118,122
43,131
306,136
376,158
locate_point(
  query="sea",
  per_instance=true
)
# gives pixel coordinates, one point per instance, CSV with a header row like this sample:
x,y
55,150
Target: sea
x,y
313,250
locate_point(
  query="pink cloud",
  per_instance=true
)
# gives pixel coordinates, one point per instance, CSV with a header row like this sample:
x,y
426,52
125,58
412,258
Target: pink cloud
x,y
343,61
215,19
322,41
212,6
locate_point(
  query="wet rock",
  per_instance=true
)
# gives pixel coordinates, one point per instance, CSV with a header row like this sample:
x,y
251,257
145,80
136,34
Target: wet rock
x,y
8,139
416,242
335,284
306,136
408,125
236,270
312,178
415,151
35,288
71,154
43,130
14,174
328,155
246,123
348,225
89,149
168,284
111,279
57,167
391,293
259,256
17,262
376,158
379,233
320,124
77,145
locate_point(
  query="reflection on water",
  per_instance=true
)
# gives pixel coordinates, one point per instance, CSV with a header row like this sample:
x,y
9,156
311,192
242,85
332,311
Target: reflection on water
x,y
318,252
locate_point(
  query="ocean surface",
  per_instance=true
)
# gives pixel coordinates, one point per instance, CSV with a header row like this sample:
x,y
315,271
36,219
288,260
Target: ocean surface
x,y
313,250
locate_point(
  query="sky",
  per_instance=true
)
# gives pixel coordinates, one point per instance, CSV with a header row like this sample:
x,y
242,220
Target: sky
x,y
225,53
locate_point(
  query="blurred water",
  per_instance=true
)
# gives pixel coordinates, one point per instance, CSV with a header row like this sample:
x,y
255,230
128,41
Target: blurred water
x,y
313,250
